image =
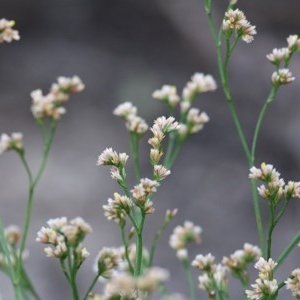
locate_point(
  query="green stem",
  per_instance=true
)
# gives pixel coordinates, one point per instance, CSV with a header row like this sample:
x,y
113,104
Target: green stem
x,y
288,249
190,279
175,154
262,113
91,287
170,148
139,247
33,183
271,228
125,243
258,218
156,238
134,145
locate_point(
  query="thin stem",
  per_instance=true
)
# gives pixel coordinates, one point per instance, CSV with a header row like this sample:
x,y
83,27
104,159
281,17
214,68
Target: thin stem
x,y
33,183
156,238
139,247
170,148
91,286
125,243
134,145
258,218
288,249
269,100
271,228
190,279
175,154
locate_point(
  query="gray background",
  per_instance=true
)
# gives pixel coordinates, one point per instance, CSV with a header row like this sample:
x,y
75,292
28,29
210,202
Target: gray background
x,y
123,50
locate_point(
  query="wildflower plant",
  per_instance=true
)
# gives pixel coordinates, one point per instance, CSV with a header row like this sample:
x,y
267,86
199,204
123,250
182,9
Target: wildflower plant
x,y
128,272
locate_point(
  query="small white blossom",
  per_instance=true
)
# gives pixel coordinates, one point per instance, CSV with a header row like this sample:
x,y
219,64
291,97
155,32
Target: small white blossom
x,y
111,157
15,141
293,42
7,34
167,93
282,76
293,283
278,55
125,109
184,234
204,263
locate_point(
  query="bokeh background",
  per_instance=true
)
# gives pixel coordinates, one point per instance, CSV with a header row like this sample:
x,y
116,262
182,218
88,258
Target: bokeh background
x,y
123,50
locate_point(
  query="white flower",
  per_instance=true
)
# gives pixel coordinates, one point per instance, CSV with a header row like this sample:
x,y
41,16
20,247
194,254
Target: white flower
x,y
15,141
203,263
278,55
167,93
293,283
7,34
282,76
125,109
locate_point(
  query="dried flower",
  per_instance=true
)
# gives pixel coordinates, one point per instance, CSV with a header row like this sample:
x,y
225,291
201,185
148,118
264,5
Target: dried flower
x,y
293,42
204,263
261,288
160,172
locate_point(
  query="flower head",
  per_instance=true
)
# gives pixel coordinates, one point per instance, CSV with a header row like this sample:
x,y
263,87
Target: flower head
x,y
185,234
50,105
282,76
13,142
168,94
7,33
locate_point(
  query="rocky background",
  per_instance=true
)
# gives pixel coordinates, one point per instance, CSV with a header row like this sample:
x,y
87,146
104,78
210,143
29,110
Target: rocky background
x,y
124,50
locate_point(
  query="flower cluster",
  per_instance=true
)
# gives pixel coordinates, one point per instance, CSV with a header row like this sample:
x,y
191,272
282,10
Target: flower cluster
x,y
274,188
142,193
50,105
192,120
63,236
107,260
235,21
130,288
134,123
7,34
293,283
280,58
214,277
239,260
118,208
182,235
167,94
265,285
13,142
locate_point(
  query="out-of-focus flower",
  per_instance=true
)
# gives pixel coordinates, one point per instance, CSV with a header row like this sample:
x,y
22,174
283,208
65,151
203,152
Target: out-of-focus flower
x,y
107,260
7,33
199,83
185,234
278,55
293,42
134,123
168,94
13,142
50,105
293,283
261,288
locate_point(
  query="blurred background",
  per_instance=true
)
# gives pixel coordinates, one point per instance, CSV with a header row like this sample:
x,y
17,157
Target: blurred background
x,y
123,51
